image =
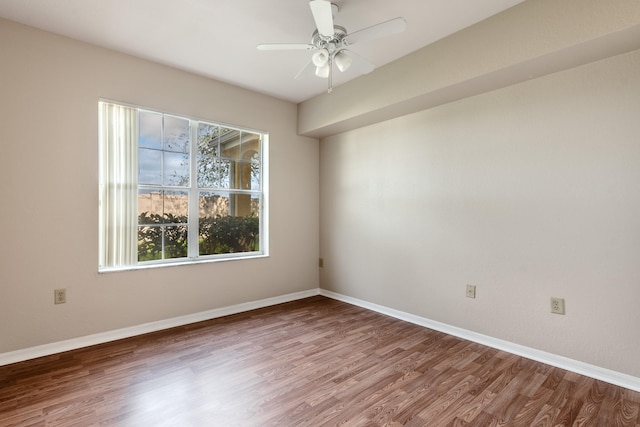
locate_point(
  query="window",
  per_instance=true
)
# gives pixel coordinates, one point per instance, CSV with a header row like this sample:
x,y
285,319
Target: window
x,y
175,189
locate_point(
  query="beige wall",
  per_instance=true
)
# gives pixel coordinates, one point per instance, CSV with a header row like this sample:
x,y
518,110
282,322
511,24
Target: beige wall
x,y
49,90
528,192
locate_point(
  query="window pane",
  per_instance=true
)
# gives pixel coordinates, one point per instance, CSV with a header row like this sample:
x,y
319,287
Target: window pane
x,y
255,172
162,207
208,173
152,239
224,170
175,242
225,226
150,130
176,134
149,166
230,143
243,175
149,243
255,205
213,204
176,169
250,145
176,207
208,139
208,152
150,207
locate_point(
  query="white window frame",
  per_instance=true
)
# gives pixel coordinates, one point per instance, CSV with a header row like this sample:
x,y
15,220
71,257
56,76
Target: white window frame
x,y
193,197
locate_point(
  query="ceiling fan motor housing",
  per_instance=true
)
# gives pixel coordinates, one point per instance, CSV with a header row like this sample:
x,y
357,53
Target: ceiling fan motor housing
x,y
333,43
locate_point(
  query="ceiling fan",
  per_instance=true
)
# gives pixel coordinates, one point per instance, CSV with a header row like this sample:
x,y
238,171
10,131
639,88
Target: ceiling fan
x,y
330,43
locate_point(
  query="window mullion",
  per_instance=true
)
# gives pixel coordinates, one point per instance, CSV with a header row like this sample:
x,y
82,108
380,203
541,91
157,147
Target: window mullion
x,y
193,192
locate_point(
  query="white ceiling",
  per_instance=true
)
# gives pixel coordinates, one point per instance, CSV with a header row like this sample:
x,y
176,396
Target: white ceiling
x,y
218,38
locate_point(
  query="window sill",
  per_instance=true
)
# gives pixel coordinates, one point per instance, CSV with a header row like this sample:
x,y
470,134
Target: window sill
x,y
180,262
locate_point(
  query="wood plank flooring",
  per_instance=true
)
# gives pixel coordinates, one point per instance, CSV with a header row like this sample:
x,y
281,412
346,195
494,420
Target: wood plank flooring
x,y
313,362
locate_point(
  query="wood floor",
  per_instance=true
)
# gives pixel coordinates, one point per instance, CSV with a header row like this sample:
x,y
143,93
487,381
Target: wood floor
x,y
313,362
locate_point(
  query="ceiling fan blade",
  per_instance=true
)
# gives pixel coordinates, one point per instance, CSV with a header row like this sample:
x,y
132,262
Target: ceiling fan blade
x,y
285,46
307,71
360,64
323,16
387,28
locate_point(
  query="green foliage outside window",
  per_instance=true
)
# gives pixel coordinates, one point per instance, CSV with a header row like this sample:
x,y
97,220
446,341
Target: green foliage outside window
x,y
217,235
229,234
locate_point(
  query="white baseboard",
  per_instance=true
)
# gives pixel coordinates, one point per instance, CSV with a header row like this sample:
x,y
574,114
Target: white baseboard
x,y
606,375
103,337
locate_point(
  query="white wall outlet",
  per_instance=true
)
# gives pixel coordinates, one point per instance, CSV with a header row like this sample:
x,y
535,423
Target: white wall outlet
x,y
471,291
59,296
557,305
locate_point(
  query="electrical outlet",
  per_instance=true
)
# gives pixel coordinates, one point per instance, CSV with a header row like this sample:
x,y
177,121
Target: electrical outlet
x,y
471,291
59,296
320,262
557,305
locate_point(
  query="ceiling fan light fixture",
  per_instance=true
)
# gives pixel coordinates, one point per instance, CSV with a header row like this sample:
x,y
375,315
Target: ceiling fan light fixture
x,y
320,58
330,42
323,72
343,60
